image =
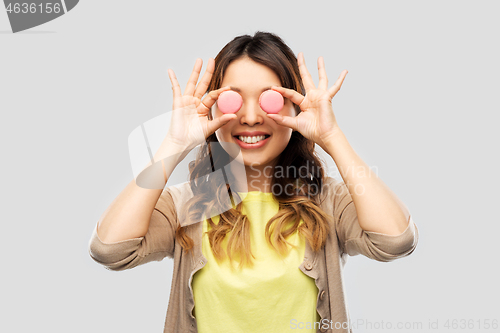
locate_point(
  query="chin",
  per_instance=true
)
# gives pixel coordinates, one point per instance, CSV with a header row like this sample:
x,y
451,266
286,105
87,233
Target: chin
x,y
257,163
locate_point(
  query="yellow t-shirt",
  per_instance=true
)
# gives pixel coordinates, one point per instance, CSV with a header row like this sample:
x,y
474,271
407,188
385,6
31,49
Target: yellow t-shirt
x,y
273,296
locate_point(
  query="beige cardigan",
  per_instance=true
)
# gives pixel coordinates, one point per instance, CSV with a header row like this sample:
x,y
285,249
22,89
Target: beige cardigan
x,y
346,238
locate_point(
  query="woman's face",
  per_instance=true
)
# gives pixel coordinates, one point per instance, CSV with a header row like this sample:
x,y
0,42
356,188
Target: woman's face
x,y
250,79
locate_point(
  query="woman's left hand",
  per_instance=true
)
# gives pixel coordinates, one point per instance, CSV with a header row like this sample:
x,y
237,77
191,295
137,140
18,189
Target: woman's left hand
x,y
316,120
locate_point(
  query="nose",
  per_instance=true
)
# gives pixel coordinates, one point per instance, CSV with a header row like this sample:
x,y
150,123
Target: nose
x,y
251,113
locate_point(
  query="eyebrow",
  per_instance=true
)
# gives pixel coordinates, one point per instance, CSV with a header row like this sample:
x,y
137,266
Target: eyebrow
x,y
239,90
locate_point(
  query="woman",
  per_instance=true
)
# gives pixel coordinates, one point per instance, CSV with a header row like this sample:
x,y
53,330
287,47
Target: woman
x,y
285,224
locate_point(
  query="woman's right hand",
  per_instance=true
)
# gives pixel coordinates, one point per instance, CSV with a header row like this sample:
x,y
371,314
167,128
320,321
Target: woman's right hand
x,y
190,125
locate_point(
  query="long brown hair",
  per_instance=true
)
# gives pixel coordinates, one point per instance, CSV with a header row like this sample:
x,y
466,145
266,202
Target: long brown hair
x,y
269,50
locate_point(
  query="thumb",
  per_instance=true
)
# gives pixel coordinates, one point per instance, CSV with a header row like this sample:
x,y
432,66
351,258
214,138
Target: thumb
x,y
218,122
284,120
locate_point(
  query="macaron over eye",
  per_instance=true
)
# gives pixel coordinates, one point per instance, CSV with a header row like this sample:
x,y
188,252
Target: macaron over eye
x,y
229,101
271,101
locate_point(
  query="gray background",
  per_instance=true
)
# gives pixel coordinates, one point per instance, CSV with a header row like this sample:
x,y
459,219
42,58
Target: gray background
x,y
419,104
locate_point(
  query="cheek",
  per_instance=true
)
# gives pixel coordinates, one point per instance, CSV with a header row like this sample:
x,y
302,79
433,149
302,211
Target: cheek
x,y
288,109
284,136
286,132
223,133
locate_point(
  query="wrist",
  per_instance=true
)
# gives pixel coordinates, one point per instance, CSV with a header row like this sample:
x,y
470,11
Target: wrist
x,y
171,150
329,138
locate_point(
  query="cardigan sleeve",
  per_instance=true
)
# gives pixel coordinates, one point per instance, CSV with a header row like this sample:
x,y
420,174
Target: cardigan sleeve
x,y
158,243
353,240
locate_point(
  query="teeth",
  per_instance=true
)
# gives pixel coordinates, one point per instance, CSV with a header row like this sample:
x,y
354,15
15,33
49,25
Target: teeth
x,y
251,139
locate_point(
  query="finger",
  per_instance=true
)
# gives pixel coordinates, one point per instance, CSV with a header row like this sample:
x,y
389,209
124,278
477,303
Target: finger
x,y
193,79
323,79
304,73
205,80
214,125
291,94
284,120
336,87
209,100
175,86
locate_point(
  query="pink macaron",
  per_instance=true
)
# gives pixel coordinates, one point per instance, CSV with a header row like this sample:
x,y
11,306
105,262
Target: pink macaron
x,y
229,101
271,101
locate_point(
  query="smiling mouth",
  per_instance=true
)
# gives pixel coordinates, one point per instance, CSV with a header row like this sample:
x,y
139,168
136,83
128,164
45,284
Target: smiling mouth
x,y
251,139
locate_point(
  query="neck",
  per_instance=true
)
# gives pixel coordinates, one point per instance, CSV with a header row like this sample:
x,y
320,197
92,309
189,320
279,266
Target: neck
x,y
258,178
